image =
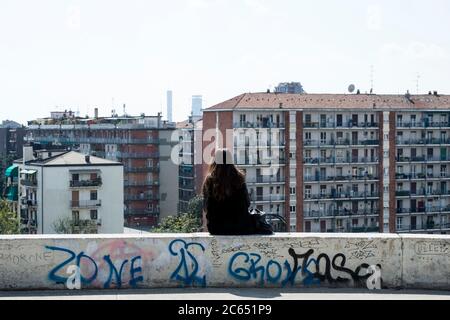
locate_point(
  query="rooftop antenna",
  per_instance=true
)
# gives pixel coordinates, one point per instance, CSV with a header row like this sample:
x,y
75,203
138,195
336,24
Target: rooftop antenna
x,y
417,82
371,79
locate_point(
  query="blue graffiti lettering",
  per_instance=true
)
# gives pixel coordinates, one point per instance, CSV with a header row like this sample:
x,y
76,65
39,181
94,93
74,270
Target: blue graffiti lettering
x,y
112,269
182,273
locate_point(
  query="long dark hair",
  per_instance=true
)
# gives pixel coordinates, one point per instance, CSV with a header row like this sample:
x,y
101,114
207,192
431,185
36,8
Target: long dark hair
x,y
223,178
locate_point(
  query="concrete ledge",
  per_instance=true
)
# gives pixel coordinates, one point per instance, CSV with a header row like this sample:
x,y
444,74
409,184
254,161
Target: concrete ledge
x,y
36,262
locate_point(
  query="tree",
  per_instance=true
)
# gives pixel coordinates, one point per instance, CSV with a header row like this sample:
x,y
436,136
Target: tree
x,y
9,223
63,226
195,206
190,221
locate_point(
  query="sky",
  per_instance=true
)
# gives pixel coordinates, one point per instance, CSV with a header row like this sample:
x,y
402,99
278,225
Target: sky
x,y
82,54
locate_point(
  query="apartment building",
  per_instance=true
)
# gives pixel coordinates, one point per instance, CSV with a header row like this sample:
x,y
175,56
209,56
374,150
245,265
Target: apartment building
x,y
56,185
142,144
190,176
342,163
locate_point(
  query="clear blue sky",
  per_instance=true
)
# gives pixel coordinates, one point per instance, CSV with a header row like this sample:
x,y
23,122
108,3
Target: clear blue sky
x,y
79,54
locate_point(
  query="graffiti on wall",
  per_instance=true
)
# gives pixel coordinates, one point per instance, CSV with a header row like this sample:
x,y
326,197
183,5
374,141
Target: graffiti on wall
x,y
314,270
187,271
89,268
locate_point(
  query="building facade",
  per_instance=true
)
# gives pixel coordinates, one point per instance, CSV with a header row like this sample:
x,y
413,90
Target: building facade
x,y
142,144
84,189
342,163
189,170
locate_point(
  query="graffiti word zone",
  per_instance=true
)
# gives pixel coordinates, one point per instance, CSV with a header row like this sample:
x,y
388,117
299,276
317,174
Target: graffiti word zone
x,y
113,271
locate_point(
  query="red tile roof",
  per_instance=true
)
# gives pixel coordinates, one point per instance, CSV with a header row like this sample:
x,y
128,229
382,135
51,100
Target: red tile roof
x,y
332,101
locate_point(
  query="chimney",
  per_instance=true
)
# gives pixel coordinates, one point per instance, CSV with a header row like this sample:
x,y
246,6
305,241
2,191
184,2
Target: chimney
x,y
435,93
88,158
96,113
27,154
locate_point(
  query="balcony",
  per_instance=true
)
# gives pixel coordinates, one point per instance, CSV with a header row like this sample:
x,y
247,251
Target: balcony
x,y
430,226
424,124
137,155
144,183
340,142
258,162
334,160
423,141
340,178
86,183
141,197
265,180
421,193
258,125
28,183
82,204
341,196
269,198
141,169
344,125
340,213
431,209
28,202
141,212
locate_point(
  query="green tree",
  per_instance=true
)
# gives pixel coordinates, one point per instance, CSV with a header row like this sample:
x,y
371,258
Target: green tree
x,y
63,226
9,223
190,221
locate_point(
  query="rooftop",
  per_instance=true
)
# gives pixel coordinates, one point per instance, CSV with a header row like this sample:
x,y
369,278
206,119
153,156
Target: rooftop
x,y
70,158
333,101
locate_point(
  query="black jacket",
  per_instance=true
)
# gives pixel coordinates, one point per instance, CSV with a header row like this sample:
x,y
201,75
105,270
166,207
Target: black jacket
x,y
229,216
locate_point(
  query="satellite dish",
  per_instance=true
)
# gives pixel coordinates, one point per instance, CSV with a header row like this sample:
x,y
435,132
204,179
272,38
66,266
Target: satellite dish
x,y
351,88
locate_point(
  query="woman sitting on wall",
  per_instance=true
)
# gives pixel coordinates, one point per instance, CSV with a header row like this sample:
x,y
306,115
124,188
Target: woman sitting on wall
x,y
226,199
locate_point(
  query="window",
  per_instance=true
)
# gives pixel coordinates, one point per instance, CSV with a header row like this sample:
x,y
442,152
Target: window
x,y
339,120
75,177
292,191
354,222
307,118
399,223
94,214
94,195
307,192
308,136
323,137
292,209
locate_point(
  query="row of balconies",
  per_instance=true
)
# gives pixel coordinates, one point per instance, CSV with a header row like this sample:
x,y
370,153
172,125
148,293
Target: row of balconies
x,y
349,178
248,162
421,176
426,209
422,192
334,160
424,124
77,140
340,142
269,197
352,195
354,229
424,141
145,168
28,202
422,159
143,183
267,124
266,179
344,125
142,196
427,226
265,145
141,212
137,155
340,213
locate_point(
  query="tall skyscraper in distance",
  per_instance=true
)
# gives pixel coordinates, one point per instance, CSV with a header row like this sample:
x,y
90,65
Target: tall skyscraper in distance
x,y
169,105
197,106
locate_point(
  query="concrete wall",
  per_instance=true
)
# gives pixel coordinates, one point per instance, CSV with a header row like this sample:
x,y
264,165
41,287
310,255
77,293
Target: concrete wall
x,y
169,260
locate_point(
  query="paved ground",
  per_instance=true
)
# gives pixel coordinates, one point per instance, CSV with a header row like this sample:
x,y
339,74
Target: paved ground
x,y
228,294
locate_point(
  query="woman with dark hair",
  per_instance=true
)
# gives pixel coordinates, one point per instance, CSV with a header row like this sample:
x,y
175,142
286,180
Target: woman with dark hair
x,y
226,199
